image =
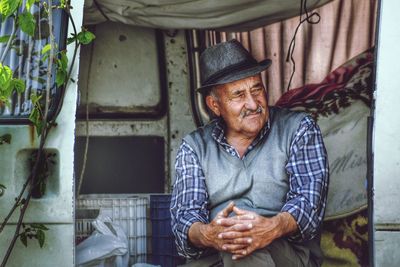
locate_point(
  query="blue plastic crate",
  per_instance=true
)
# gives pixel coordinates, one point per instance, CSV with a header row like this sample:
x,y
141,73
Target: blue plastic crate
x,y
163,243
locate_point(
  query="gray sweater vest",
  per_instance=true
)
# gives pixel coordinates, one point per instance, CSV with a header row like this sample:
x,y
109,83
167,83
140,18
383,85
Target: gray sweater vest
x,y
259,181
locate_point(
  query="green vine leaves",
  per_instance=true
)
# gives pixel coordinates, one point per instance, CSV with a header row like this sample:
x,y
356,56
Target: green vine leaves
x,y
27,22
36,116
48,57
8,84
8,7
84,37
33,231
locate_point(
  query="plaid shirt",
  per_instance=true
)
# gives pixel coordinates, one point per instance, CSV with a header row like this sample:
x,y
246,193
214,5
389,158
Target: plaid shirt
x,y
307,167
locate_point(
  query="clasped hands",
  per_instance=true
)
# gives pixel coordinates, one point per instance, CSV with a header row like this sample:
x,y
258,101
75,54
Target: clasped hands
x,y
240,234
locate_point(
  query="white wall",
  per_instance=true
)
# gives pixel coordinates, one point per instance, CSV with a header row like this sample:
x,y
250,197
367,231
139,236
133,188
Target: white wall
x,y
386,141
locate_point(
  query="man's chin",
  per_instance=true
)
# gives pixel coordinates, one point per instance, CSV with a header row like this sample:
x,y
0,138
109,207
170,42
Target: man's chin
x,y
254,127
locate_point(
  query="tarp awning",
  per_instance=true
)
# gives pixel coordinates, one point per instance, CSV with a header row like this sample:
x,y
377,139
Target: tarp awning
x,y
195,14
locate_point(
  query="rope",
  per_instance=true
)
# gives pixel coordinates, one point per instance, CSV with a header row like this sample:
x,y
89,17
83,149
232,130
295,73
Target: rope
x,y
86,124
292,45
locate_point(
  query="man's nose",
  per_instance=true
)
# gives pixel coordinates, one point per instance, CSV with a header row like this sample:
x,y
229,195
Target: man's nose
x,y
251,103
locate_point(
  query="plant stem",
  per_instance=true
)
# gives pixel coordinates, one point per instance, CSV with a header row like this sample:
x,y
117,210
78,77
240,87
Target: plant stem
x,y
67,11
8,46
50,61
30,178
43,137
87,136
17,229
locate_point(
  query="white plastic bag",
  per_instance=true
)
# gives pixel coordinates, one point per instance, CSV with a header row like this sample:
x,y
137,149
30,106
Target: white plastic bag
x,y
106,247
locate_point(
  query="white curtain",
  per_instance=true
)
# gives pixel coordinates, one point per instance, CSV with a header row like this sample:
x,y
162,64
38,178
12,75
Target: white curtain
x,y
194,14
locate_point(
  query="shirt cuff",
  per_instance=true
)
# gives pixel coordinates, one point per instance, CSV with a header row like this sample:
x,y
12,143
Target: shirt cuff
x,y
185,248
293,209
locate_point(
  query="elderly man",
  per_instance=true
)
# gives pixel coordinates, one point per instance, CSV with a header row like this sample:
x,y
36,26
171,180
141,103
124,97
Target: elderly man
x,y
251,184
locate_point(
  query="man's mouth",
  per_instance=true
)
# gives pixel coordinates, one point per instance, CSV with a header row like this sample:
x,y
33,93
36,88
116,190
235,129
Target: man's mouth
x,y
256,112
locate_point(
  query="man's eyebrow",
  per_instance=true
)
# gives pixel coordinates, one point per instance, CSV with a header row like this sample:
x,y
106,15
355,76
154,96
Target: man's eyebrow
x,y
237,91
258,84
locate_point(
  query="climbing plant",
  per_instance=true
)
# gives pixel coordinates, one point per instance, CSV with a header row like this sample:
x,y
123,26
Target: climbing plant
x,y
53,68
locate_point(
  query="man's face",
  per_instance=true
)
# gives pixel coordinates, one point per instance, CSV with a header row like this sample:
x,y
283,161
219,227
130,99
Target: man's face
x,y
243,106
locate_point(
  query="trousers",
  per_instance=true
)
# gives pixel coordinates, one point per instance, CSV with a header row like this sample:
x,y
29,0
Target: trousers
x,y
279,253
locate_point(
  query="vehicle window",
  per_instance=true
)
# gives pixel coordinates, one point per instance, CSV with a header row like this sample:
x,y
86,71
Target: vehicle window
x,y
24,57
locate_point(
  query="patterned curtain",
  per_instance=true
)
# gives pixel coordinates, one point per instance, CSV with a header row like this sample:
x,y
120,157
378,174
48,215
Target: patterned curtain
x,y
346,29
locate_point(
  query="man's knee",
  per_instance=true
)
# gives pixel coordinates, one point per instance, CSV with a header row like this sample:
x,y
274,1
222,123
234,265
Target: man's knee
x,y
285,253
258,258
278,253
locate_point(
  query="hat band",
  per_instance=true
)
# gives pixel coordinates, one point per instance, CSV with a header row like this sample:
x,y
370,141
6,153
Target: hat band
x,y
232,68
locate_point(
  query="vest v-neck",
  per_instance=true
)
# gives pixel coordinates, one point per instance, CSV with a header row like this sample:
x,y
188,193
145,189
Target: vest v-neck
x,y
218,134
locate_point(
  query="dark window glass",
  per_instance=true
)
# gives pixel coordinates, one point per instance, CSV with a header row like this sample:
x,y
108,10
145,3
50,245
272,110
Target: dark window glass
x,y
119,165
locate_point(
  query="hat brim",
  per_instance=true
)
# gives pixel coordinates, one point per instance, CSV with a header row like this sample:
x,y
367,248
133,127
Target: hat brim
x,y
238,75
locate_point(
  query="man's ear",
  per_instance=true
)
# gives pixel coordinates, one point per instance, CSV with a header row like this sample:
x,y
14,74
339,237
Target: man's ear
x,y
213,104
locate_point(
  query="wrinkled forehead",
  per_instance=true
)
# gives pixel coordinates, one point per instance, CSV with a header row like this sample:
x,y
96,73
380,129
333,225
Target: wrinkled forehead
x,y
242,84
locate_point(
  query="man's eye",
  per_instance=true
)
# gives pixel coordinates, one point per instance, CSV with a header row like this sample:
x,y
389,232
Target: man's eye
x,y
256,91
238,96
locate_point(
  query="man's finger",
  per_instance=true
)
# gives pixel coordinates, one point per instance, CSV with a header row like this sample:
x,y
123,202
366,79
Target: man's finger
x,y
239,211
227,210
248,216
227,222
241,253
243,240
238,254
233,247
240,227
231,235
234,221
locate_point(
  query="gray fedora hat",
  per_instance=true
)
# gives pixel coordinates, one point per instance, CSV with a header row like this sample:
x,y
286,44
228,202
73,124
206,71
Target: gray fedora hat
x,y
227,62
